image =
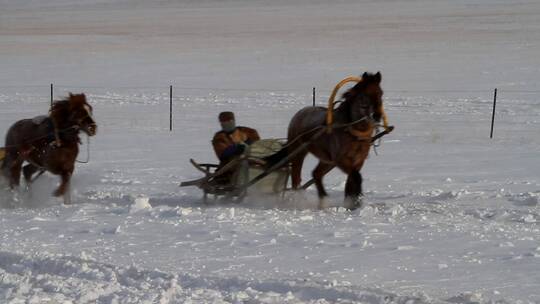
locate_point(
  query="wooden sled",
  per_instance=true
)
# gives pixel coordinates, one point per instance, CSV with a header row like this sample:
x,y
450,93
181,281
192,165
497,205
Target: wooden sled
x,y
236,179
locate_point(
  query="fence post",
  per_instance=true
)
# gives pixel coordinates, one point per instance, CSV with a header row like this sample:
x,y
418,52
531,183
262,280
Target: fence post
x,y
51,94
313,96
493,115
170,108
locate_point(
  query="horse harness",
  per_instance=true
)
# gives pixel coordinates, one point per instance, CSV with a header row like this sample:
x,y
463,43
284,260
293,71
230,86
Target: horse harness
x,y
49,138
366,135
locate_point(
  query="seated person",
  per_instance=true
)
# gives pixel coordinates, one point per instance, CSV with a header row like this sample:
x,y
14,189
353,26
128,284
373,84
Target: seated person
x,y
232,141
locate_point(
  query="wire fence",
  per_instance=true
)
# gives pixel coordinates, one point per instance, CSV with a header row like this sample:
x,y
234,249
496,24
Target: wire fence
x,y
164,107
266,89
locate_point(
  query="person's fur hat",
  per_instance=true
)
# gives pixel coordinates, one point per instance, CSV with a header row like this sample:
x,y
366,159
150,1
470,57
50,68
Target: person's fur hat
x,y
226,116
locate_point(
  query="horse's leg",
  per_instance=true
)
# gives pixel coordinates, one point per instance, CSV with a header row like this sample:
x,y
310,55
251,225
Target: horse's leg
x,y
28,172
353,190
67,194
15,168
63,189
5,168
318,174
12,170
296,169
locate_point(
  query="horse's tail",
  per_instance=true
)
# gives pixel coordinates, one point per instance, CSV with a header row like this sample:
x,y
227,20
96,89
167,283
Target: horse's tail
x,y
275,158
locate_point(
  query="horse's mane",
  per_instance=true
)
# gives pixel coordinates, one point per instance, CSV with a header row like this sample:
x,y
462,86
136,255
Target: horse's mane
x,y
348,98
60,105
61,109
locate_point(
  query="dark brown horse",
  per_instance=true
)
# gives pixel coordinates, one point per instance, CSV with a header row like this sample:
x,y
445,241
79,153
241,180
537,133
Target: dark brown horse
x,y
49,143
345,144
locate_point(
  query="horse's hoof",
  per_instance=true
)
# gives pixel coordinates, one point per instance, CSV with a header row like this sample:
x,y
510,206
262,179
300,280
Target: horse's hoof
x,y
353,204
323,203
352,208
16,197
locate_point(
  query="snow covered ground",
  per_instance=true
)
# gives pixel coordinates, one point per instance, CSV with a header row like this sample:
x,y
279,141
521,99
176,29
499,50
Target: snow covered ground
x,y
449,216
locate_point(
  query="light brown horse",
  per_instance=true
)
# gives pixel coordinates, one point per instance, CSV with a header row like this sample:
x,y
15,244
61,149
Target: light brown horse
x,y
346,144
49,143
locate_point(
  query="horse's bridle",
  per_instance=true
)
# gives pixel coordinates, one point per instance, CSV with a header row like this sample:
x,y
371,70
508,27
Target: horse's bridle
x,y
368,118
79,123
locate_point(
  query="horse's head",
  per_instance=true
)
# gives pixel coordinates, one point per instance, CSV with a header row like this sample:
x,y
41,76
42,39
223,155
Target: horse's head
x,y
365,98
81,114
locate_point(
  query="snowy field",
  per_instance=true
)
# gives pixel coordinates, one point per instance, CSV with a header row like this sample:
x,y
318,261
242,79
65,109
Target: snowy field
x,y
450,216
